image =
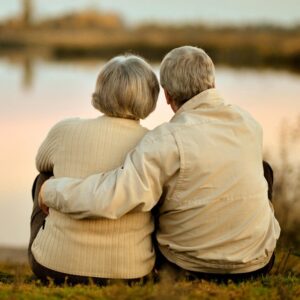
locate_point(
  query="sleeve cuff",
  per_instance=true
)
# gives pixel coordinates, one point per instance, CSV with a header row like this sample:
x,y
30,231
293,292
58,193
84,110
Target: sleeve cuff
x,y
48,194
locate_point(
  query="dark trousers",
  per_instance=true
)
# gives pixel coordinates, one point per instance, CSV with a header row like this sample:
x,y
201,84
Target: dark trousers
x,y
163,263
38,219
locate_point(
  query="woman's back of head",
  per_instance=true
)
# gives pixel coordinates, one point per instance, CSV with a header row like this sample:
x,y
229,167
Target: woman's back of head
x,y
126,87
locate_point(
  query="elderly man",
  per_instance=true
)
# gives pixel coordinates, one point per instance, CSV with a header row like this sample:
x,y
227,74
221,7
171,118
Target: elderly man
x,y
203,170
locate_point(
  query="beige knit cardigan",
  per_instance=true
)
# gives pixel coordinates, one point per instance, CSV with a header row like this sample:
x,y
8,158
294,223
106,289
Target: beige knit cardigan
x,y
93,247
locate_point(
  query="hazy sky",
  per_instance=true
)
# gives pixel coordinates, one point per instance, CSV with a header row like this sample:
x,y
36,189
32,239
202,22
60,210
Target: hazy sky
x,y
285,12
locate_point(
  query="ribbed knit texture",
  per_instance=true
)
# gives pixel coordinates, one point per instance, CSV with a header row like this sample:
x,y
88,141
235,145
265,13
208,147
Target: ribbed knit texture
x,y
98,248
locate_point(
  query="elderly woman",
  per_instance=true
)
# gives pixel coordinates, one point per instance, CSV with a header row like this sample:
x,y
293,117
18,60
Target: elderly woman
x,y
64,247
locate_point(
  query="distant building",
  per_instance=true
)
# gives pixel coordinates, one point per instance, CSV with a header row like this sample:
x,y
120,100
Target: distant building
x,y
27,12
86,19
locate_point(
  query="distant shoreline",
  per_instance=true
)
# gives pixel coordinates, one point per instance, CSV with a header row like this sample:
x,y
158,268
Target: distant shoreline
x,y
235,46
13,255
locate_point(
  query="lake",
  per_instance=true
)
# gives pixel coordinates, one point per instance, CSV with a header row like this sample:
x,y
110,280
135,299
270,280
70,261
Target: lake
x,y
37,94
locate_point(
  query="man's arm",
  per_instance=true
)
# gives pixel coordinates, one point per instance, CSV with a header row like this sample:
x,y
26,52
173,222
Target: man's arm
x,y
138,184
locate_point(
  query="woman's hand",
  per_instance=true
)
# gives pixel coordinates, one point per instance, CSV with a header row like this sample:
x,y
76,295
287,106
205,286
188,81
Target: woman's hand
x,y
43,206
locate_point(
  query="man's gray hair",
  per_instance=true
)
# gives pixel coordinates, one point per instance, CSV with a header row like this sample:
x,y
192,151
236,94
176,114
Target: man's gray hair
x,y
126,87
185,72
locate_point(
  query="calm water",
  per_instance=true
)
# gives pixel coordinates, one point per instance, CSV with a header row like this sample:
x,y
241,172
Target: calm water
x,y
35,95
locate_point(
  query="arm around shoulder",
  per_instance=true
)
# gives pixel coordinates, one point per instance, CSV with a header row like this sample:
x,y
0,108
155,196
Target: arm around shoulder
x,y
138,184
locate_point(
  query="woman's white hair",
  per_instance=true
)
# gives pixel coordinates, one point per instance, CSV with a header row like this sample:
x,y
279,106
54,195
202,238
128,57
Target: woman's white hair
x,y
185,72
126,87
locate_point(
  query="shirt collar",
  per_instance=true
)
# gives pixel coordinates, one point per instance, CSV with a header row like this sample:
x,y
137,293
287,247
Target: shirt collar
x,y
210,97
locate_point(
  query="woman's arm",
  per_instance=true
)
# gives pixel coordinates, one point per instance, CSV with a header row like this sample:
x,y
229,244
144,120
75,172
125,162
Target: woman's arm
x,y
44,159
45,156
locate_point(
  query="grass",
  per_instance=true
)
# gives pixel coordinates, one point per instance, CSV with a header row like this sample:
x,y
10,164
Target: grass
x,y
17,282
286,199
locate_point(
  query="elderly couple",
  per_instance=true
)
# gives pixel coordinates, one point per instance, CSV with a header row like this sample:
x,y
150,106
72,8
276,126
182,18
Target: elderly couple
x,y
200,178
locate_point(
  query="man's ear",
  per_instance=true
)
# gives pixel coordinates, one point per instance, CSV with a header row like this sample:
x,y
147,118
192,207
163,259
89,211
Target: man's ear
x,y
170,101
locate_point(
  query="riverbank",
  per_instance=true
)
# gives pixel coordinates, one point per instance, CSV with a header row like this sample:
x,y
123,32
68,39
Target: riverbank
x,y
16,255
236,46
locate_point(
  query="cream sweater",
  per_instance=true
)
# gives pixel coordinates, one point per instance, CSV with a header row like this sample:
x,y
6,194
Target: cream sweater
x,y
99,248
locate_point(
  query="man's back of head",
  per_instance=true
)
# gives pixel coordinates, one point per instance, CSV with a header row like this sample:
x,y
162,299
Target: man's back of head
x,y
185,72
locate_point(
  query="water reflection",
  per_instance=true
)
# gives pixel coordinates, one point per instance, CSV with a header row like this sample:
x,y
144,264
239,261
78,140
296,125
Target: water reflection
x,y
27,73
37,94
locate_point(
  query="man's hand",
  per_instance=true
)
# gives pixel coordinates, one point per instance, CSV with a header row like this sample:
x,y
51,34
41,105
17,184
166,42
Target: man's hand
x,y
43,206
